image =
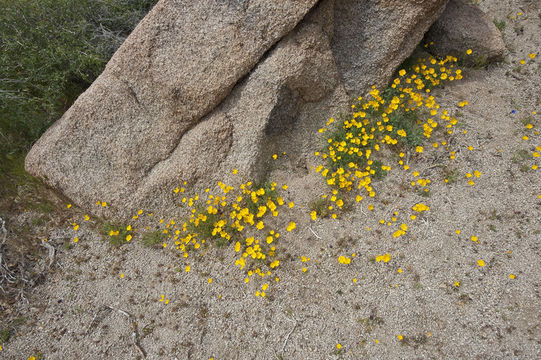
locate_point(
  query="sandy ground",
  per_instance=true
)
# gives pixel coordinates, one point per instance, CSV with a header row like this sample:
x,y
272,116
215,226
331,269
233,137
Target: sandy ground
x,y
430,301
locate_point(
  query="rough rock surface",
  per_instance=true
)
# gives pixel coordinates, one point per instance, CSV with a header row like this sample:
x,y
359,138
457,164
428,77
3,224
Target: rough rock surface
x,y
464,26
179,63
252,123
371,38
178,103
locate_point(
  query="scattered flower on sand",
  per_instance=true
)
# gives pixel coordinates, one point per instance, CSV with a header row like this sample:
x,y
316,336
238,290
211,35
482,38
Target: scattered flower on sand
x,y
481,262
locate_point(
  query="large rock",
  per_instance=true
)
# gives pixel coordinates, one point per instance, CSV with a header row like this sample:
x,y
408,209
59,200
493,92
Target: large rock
x,y
254,120
179,63
373,37
464,26
199,89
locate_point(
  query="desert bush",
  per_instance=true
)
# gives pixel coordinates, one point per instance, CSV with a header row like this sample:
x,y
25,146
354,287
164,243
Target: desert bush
x,y
51,51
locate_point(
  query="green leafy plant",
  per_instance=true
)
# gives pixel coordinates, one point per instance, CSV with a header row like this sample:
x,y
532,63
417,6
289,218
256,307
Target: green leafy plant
x,y
5,334
500,24
321,207
153,238
450,174
116,234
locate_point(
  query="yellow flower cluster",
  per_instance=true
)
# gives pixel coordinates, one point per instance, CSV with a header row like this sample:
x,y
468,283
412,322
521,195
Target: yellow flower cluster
x,y
241,216
385,258
262,293
391,118
401,231
245,217
469,176
163,299
420,207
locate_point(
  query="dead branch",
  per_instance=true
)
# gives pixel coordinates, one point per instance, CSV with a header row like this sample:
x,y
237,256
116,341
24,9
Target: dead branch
x,y
4,231
133,322
51,251
316,235
288,335
6,274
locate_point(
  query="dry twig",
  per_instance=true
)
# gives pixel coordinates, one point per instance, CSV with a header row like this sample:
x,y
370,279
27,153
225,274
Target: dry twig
x,y
288,335
131,318
316,235
4,231
51,251
6,275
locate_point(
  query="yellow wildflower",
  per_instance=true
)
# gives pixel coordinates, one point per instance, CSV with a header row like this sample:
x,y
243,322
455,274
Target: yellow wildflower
x,y
481,263
291,226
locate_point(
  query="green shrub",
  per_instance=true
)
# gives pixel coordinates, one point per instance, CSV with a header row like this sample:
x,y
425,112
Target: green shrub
x,y
50,52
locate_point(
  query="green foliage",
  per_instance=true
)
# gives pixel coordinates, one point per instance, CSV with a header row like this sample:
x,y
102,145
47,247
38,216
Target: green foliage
x,y
321,207
221,242
153,238
5,334
204,229
500,24
527,120
424,192
116,233
407,120
451,174
51,51
12,173
520,156
379,173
